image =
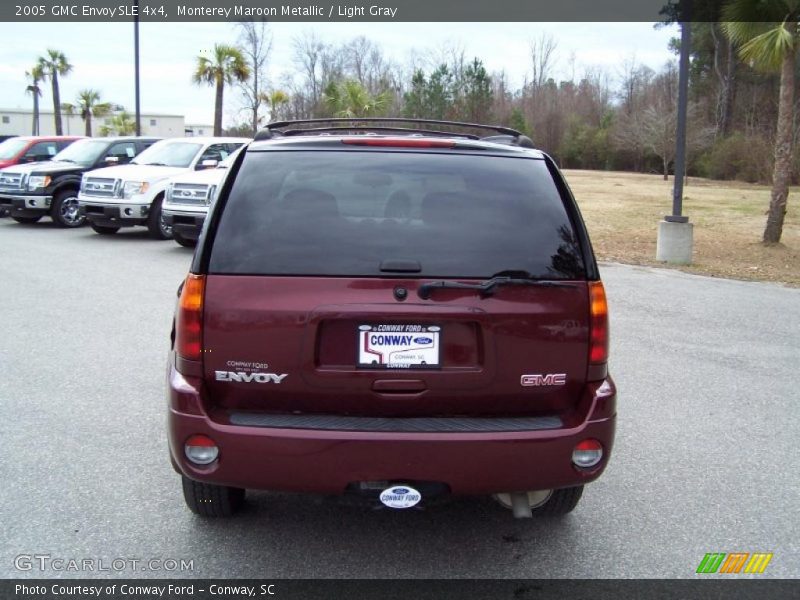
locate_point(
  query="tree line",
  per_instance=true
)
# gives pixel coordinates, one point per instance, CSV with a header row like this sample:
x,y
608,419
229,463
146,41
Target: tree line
x,y
742,114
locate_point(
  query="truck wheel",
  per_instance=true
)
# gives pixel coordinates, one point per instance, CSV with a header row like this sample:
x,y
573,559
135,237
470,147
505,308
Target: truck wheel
x,y
103,229
3,213
26,220
183,241
156,225
209,500
65,211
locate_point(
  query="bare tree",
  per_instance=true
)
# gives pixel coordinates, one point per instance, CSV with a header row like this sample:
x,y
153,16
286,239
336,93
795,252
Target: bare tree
x,y
255,41
543,57
308,50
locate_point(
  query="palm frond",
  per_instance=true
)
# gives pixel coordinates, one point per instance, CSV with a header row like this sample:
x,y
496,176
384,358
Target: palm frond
x,y
767,51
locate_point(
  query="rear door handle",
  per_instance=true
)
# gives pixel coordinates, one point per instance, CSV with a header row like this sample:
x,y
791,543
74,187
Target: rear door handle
x,y
399,386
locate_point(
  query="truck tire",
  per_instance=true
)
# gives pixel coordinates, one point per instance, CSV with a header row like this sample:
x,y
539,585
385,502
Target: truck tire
x,y
26,220
183,241
156,225
65,211
103,229
209,500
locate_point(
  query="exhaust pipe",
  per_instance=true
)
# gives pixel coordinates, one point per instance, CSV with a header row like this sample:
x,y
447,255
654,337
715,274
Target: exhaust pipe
x,y
521,505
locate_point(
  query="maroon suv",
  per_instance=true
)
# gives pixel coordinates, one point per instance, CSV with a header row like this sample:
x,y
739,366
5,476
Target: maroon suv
x,y
388,309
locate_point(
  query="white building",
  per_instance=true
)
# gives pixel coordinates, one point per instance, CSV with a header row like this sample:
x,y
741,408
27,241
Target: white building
x,y
16,121
198,130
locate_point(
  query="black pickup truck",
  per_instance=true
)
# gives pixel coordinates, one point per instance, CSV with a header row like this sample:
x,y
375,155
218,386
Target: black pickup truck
x,y
32,191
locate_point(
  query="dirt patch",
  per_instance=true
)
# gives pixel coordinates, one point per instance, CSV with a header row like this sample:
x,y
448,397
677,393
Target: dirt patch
x,y
622,211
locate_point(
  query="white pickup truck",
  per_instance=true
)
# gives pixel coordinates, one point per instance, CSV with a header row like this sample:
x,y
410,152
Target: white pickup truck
x,y
188,199
132,194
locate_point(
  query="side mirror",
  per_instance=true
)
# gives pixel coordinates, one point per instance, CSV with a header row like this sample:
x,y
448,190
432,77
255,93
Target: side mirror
x,y
209,164
112,160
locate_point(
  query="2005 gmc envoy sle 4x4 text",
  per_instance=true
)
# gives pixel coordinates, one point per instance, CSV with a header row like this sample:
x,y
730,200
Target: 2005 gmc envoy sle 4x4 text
x,y
394,308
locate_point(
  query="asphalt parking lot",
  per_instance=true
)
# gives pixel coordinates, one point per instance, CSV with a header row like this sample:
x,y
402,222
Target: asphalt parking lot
x,y
704,459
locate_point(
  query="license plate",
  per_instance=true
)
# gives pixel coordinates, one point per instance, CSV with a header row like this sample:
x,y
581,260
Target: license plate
x,y
398,346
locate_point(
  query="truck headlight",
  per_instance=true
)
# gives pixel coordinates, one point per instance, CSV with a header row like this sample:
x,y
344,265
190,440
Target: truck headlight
x,y
134,187
38,181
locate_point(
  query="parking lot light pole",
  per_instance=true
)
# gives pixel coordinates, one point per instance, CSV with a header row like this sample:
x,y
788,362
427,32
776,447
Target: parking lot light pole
x,y
675,232
136,68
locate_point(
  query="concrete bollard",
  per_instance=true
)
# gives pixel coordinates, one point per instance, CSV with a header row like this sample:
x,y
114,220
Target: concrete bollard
x,y
675,242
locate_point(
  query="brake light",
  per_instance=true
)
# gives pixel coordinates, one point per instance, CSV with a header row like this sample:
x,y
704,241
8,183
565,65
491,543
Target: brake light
x,y
189,321
598,325
399,142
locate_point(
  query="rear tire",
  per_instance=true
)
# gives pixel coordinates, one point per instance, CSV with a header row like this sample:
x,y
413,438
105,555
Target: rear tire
x,y
561,502
548,503
26,220
103,229
156,225
183,241
209,500
65,211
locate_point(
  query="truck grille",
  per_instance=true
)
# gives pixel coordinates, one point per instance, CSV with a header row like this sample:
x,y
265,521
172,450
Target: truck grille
x,y
196,194
100,187
12,182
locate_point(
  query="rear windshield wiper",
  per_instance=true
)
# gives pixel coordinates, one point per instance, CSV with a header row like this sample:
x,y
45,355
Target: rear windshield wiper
x,y
488,287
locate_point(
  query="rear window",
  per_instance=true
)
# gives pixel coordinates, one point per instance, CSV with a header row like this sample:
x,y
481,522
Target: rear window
x,y
358,213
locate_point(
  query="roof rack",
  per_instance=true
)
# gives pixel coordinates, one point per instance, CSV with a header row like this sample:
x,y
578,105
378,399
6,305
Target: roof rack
x,y
368,130
385,125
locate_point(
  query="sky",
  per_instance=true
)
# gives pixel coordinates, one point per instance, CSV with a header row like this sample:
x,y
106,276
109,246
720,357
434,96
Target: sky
x,y
102,55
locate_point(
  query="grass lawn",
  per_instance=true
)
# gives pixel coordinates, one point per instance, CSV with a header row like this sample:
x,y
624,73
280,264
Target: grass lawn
x,y
622,211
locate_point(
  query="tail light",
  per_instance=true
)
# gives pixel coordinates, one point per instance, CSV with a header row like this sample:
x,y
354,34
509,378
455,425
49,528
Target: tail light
x,y
189,320
598,331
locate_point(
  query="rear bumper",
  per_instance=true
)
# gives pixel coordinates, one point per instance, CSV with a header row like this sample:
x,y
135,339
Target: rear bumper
x,y
326,461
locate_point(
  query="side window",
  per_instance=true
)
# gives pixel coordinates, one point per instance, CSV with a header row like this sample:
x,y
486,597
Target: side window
x,y
216,152
121,153
145,145
63,144
41,151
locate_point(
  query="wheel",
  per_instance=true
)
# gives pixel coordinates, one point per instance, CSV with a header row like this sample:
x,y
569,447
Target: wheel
x,y
103,229
156,225
26,220
3,213
183,241
65,211
209,500
561,502
548,502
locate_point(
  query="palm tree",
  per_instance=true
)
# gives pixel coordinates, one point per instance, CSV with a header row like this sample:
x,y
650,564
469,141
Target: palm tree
x,y
35,75
53,64
349,99
121,123
89,105
767,35
274,99
226,66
